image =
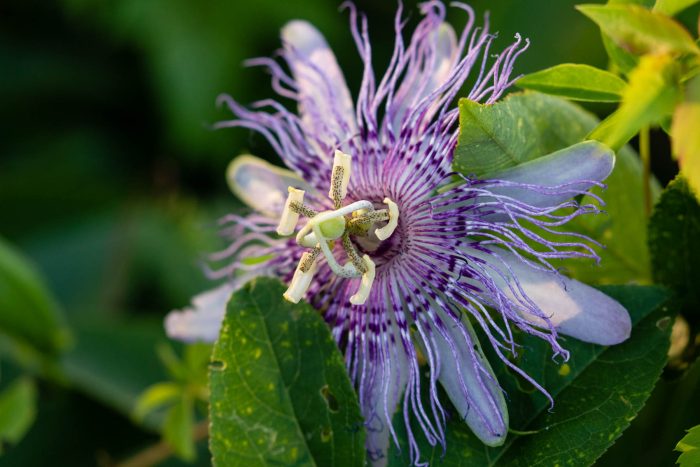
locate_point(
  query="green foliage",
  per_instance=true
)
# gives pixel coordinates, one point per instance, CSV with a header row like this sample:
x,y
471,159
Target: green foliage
x,y
280,393
178,428
674,231
520,128
17,411
28,311
650,97
576,82
640,31
690,448
525,126
596,395
685,134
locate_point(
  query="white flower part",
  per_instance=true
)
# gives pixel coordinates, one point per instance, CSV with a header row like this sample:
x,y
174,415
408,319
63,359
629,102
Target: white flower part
x,y
365,283
201,321
289,218
386,231
345,162
300,282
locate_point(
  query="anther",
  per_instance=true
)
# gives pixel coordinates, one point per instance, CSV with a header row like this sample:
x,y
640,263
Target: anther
x,y
365,283
302,209
301,279
386,231
340,177
289,218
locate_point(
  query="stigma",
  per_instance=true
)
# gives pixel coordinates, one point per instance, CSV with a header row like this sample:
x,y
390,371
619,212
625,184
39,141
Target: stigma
x,y
323,229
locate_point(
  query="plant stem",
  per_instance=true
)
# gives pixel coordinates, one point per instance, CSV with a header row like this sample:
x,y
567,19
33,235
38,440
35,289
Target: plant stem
x,y
160,451
645,154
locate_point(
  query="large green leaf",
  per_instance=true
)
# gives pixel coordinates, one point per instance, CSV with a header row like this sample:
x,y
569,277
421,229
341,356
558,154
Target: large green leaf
x,y
17,411
528,125
650,97
674,243
640,31
577,82
28,311
690,448
597,393
280,394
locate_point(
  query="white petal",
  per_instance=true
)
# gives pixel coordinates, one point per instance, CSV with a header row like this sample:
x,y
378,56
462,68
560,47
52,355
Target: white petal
x,y
423,83
201,321
324,97
574,308
579,165
471,384
261,185
389,385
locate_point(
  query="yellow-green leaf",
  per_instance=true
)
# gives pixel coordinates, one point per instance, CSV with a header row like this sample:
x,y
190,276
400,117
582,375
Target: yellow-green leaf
x,y
671,7
17,411
649,97
576,82
685,135
640,31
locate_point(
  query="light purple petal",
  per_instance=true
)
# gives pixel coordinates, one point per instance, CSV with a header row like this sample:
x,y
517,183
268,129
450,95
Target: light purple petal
x,y
470,383
261,185
201,321
574,308
324,99
578,168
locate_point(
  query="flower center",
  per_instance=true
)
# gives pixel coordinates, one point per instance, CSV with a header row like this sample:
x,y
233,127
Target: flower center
x,y
322,229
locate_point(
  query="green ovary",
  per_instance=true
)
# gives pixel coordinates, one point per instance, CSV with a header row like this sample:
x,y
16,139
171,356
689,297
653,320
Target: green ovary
x,y
333,228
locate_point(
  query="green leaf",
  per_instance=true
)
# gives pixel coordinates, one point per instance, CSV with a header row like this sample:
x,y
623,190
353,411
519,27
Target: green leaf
x,y
674,231
28,311
640,31
17,411
520,128
177,430
685,134
671,7
650,97
577,82
529,125
690,447
596,395
280,394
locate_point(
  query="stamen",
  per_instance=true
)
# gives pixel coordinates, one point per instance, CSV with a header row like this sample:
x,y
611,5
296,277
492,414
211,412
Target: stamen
x,y
289,218
302,209
386,231
340,177
365,284
302,278
352,253
307,259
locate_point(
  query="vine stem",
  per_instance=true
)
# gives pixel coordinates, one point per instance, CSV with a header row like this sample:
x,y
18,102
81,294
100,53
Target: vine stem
x,y
160,451
645,154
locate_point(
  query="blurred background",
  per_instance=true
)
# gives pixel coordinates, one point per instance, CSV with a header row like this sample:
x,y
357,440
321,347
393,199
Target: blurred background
x,y
111,183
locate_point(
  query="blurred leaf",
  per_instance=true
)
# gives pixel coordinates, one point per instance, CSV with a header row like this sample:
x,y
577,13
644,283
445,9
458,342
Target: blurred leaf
x,y
17,411
155,397
690,447
685,135
280,393
114,362
177,430
649,97
674,232
517,129
671,7
640,31
28,311
596,395
577,82
525,126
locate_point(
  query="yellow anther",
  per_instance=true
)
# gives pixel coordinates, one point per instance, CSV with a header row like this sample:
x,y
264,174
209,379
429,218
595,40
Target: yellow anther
x,y
289,218
386,231
365,283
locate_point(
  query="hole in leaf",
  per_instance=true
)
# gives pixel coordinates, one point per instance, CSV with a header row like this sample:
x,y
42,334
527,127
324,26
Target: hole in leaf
x,y
330,399
217,365
326,434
